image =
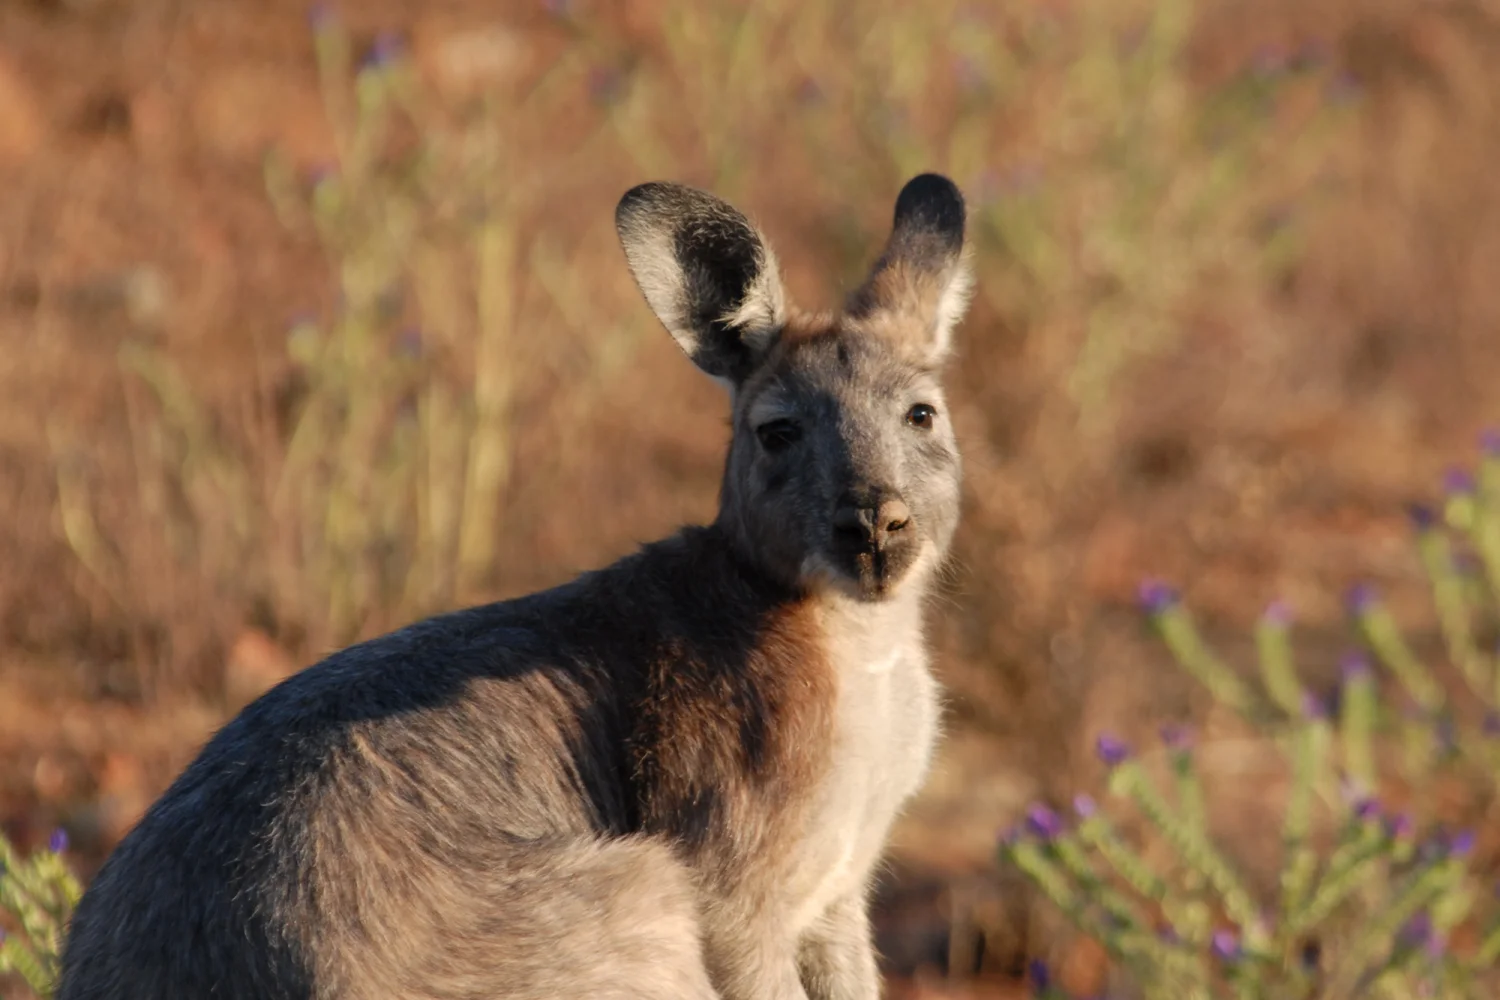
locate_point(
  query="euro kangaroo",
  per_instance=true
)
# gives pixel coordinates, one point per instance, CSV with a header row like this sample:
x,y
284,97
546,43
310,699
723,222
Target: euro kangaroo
x,y
670,778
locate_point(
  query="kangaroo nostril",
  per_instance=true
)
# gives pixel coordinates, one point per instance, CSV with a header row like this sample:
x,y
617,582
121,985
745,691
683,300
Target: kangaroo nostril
x,y
856,521
871,524
894,515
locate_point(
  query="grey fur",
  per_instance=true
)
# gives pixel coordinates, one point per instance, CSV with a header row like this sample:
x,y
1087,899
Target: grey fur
x,y
670,778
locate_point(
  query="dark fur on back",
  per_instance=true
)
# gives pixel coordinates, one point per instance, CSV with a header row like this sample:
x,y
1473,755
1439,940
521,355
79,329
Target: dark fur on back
x,y
670,778
567,713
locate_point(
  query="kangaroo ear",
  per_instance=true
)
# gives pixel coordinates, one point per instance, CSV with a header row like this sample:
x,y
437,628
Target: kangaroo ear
x,y
919,288
706,273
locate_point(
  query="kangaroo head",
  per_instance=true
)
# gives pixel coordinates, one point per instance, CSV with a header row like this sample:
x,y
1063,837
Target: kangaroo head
x,y
842,472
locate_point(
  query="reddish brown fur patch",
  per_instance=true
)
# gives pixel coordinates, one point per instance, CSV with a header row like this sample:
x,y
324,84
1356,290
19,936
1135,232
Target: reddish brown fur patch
x,y
735,784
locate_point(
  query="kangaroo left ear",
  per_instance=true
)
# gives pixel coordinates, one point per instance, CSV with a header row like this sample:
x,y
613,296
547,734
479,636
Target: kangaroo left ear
x,y
919,288
707,274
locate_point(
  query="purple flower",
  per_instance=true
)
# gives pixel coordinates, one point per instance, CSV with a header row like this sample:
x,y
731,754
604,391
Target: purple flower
x,y
1461,844
1361,598
1112,750
1225,945
1458,480
1418,932
1422,516
1399,826
1314,707
385,50
1354,666
1177,737
1492,723
1489,441
1084,805
58,842
1367,810
1418,927
1040,975
1155,597
1043,822
1278,613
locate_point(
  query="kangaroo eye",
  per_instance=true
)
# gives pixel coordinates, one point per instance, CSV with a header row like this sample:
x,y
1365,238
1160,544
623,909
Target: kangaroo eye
x,y
777,435
921,416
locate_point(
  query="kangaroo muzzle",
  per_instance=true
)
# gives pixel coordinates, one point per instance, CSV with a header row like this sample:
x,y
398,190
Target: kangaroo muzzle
x,y
874,540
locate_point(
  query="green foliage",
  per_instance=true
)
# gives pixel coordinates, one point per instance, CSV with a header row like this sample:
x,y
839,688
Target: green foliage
x,y
1377,908
37,895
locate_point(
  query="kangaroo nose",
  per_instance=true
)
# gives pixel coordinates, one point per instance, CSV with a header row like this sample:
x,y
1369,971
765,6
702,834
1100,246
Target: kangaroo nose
x,y
874,524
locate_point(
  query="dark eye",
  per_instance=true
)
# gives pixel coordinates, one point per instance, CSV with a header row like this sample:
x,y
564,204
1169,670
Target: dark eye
x,y
921,416
776,435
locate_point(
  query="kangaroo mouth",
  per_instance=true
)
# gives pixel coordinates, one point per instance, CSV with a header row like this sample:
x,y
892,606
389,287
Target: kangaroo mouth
x,y
872,574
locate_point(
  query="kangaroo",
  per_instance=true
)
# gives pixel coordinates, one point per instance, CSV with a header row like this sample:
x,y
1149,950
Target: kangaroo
x,y
670,778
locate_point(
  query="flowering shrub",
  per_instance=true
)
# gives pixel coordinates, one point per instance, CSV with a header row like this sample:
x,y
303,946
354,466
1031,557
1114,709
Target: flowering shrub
x,y
36,896
1393,905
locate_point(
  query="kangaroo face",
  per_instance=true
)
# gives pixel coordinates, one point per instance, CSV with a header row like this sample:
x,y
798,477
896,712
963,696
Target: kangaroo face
x,y
843,468
843,472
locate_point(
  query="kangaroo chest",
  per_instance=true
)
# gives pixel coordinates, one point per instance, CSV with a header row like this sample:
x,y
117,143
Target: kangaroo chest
x,y
885,725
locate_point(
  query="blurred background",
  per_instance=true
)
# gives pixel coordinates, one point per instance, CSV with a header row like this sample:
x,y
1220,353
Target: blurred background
x,y
314,321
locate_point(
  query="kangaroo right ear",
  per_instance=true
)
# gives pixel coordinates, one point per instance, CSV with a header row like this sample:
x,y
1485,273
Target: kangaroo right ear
x,y
706,273
920,285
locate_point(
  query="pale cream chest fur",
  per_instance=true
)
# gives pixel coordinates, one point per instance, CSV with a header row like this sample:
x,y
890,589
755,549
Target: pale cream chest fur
x,y
886,724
